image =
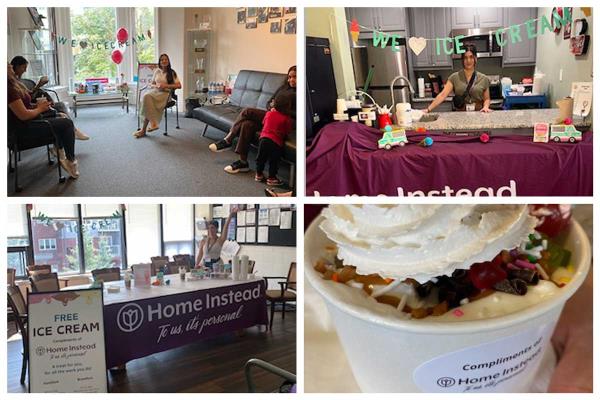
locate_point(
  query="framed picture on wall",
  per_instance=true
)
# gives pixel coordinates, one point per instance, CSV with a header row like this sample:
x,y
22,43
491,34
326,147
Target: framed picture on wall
x,y
251,23
275,12
263,15
241,15
289,10
276,27
290,26
252,11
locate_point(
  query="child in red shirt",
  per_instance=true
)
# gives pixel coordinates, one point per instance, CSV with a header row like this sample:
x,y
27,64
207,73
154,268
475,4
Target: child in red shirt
x,y
276,126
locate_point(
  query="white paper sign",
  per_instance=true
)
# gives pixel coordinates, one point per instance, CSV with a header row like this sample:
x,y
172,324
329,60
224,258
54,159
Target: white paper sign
x,y
250,217
490,367
286,220
141,275
250,234
230,248
263,216
263,234
274,215
241,218
241,235
66,342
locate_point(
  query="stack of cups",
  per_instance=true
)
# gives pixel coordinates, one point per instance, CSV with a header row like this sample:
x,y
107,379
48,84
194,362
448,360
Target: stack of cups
x,y
403,114
235,268
244,268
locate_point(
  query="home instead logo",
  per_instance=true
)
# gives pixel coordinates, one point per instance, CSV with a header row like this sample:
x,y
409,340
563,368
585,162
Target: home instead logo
x,y
130,317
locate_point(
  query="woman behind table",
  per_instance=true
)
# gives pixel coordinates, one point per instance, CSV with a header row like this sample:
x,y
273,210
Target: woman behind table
x,y
153,103
478,97
20,110
248,123
19,65
209,248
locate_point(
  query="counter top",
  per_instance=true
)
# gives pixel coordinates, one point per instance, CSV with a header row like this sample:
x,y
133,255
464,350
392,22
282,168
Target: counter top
x,y
417,99
507,119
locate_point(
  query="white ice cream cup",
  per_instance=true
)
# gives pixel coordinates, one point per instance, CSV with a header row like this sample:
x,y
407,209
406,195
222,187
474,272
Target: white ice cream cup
x,y
390,354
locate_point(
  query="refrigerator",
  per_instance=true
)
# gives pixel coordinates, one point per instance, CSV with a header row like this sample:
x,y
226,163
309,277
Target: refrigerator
x,y
321,92
387,64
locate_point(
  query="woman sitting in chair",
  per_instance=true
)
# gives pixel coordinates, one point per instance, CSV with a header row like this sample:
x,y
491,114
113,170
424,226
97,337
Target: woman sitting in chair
x,y
154,102
19,66
21,110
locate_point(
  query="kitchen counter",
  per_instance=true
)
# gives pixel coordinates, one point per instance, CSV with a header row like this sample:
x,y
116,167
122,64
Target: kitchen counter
x,y
508,120
429,99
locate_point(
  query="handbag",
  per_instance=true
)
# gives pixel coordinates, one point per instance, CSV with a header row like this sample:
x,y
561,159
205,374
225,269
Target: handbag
x,y
459,101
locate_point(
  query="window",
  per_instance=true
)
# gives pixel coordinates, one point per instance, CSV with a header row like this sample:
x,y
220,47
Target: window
x,y
102,236
144,24
39,47
178,229
17,234
47,244
142,226
57,242
95,28
55,234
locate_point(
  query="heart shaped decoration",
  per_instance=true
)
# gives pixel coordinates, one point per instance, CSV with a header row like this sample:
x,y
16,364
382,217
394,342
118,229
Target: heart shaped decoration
x,y
417,44
83,44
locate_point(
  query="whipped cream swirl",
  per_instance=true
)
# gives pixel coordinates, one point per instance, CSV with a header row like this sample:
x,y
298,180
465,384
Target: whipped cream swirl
x,y
423,241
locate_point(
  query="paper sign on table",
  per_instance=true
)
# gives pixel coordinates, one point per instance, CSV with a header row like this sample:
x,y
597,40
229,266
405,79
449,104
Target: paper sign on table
x,y
241,235
263,234
141,274
541,132
67,342
263,216
250,217
274,215
250,234
286,220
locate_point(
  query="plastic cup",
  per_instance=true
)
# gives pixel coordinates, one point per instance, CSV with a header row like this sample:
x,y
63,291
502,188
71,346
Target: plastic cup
x,y
389,354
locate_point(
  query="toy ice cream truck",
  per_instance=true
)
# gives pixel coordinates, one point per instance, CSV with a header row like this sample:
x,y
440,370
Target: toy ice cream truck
x,y
564,133
391,138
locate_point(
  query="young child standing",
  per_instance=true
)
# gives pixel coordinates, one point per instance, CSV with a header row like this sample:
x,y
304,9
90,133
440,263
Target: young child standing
x,y
276,126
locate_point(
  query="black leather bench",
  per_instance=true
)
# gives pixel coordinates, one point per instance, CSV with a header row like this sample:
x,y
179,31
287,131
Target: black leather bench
x,y
252,89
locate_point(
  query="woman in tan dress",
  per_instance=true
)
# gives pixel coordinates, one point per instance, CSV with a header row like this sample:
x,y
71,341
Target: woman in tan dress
x,y
155,100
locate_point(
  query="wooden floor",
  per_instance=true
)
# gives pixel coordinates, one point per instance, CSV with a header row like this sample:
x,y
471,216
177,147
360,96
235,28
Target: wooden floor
x,y
214,365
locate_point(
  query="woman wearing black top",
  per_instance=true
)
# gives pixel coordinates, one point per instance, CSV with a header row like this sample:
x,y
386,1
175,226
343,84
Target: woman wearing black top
x,y
247,124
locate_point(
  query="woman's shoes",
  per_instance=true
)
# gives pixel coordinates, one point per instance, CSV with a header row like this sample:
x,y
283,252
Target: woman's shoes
x,y
152,128
72,167
259,177
274,181
139,133
80,135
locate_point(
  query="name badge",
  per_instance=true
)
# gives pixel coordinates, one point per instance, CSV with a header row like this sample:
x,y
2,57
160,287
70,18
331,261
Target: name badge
x,y
470,107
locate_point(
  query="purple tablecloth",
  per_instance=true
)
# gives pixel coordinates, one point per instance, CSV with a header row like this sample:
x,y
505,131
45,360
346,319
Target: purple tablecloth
x,y
344,160
139,328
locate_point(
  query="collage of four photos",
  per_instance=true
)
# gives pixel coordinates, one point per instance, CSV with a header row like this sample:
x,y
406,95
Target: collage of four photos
x,y
146,254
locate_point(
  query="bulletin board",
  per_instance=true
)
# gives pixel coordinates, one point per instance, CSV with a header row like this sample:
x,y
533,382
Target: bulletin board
x,y
261,224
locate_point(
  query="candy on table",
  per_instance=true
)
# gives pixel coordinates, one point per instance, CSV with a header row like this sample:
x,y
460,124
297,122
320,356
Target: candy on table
x,y
484,138
426,142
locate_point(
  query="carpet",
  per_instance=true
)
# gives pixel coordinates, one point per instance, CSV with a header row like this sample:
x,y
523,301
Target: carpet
x,y
114,163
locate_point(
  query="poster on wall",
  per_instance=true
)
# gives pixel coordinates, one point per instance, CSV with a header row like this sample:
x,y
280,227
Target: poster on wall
x,y
290,26
66,342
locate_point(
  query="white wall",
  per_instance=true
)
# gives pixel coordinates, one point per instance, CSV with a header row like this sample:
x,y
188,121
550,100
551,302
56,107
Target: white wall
x,y
553,55
327,22
171,40
270,260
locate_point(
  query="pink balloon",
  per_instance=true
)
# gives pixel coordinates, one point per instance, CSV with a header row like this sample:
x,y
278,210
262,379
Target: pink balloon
x,y
122,35
116,56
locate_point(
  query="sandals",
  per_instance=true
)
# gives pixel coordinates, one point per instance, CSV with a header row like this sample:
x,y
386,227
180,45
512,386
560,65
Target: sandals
x,y
139,134
152,128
